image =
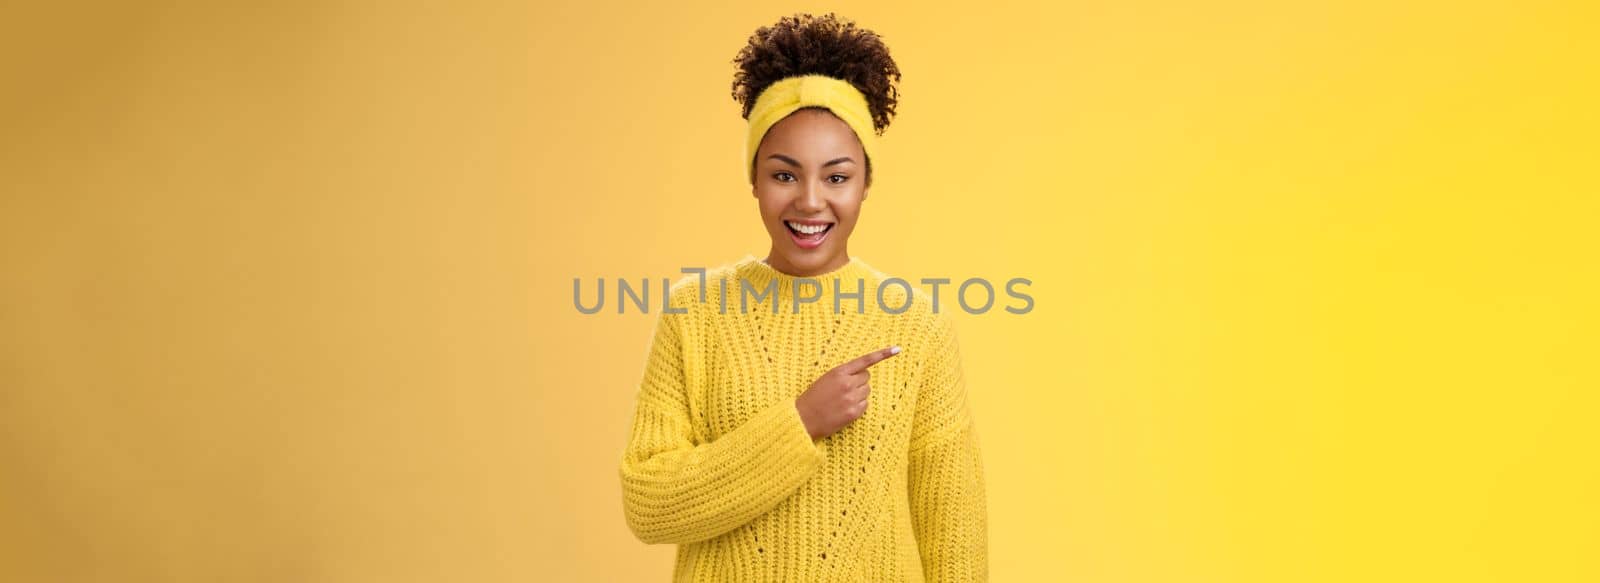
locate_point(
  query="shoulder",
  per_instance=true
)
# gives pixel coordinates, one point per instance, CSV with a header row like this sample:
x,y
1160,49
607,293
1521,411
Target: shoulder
x,y
926,316
933,316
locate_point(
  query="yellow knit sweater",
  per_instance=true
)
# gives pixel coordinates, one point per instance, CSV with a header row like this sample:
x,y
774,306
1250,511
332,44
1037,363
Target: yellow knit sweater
x,y
719,462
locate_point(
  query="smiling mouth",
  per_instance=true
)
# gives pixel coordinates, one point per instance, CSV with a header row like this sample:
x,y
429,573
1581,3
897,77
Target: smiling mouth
x,y
808,235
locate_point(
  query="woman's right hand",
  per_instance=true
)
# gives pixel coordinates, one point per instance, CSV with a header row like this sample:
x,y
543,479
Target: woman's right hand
x,y
839,396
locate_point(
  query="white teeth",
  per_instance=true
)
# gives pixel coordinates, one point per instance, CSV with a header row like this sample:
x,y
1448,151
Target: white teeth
x,y
807,229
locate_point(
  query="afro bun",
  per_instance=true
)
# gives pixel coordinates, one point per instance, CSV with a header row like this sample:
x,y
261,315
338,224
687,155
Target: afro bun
x,y
828,45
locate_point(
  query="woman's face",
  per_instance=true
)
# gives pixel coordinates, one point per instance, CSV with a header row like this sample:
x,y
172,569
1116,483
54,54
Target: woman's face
x,y
810,179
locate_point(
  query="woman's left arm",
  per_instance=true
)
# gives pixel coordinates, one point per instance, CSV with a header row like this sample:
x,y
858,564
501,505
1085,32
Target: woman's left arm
x,y
946,478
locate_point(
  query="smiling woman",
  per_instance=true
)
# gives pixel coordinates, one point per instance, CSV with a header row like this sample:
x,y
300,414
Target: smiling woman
x,y
753,446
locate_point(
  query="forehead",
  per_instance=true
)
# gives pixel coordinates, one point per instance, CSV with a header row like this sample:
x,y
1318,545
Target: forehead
x,y
811,135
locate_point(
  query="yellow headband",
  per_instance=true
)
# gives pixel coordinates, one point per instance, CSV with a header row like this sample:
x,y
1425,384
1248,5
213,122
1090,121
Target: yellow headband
x,y
785,96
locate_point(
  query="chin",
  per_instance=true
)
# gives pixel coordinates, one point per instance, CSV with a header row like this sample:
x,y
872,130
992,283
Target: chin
x,y
809,259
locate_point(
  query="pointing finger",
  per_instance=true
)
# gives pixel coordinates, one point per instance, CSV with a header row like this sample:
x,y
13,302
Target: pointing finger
x,y
866,360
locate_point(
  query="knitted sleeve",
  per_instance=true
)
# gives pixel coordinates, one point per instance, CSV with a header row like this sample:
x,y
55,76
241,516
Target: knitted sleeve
x,y
679,490
946,480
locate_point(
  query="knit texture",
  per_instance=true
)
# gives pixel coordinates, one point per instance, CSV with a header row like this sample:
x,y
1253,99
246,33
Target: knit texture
x,y
719,462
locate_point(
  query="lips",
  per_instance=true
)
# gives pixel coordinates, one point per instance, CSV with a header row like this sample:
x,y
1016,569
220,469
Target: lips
x,y
808,234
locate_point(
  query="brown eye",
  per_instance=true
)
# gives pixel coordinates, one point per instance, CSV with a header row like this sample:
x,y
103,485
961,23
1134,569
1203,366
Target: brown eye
x,y
781,175
841,178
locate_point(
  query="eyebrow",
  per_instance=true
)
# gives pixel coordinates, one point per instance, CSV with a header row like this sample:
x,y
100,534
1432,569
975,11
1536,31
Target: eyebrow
x,y
792,162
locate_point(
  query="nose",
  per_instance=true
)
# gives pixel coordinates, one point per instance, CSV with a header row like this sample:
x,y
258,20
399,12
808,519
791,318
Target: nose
x,y
810,199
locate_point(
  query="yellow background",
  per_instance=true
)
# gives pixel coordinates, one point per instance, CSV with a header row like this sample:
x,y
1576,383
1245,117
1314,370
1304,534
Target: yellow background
x,y
285,288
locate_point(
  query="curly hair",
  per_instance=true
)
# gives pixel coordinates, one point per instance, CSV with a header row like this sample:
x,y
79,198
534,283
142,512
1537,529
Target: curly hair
x,y
828,45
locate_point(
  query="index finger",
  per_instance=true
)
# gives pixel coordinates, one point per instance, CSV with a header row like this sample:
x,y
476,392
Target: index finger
x,y
861,363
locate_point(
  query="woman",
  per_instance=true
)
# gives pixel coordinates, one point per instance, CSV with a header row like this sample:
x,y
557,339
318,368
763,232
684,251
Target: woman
x,y
799,419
